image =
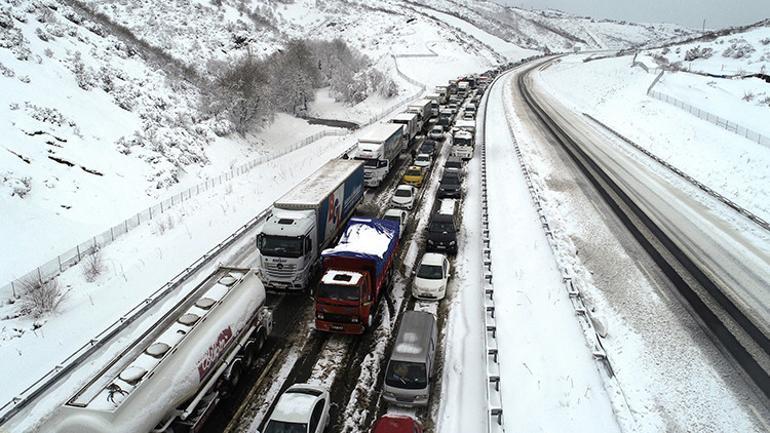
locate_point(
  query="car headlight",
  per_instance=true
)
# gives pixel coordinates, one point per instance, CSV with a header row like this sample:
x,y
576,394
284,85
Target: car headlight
x,y
420,396
430,242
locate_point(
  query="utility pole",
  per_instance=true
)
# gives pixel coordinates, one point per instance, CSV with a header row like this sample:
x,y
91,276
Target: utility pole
x,y
704,25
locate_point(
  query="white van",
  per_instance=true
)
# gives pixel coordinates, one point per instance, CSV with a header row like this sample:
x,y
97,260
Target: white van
x,y
410,367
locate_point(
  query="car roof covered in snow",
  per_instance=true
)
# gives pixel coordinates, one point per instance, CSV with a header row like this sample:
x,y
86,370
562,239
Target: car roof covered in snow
x,y
434,259
295,405
318,186
414,336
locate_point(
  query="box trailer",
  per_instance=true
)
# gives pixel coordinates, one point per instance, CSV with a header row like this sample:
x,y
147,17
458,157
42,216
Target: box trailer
x,y
307,220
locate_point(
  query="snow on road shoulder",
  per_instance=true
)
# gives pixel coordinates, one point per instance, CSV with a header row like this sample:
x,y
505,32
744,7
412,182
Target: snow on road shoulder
x,y
549,380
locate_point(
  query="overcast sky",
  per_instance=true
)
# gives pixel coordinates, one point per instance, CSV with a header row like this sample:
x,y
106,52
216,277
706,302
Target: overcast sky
x,y
691,13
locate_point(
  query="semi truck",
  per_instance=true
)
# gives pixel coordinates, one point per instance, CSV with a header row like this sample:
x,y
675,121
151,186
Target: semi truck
x,y
411,122
378,149
355,274
423,109
462,144
434,103
307,220
174,374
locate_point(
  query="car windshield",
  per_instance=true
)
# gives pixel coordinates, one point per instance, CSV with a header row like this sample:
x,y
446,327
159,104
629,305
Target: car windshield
x,y
441,227
450,181
454,164
403,193
414,172
285,427
368,162
338,293
406,375
430,272
281,246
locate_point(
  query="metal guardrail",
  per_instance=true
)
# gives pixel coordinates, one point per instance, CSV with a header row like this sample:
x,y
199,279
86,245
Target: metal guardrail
x,y
572,284
493,391
63,368
743,211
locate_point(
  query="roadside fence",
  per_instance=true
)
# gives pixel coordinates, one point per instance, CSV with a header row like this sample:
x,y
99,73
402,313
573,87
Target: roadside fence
x,y
713,118
54,267
63,369
736,207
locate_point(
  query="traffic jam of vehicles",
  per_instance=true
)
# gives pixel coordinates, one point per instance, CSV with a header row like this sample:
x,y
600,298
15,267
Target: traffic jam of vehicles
x,y
318,241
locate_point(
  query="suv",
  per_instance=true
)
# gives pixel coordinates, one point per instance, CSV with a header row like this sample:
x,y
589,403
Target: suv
x,y
454,164
443,228
436,133
450,186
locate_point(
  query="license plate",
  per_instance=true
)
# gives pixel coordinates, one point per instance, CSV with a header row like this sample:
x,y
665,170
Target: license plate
x,y
337,327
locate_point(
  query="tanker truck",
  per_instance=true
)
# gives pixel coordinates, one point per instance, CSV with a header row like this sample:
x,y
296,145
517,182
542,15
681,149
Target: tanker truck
x,y
174,374
307,220
355,273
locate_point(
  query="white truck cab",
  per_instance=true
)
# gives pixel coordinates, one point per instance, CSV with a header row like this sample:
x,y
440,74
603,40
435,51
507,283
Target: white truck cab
x,y
287,250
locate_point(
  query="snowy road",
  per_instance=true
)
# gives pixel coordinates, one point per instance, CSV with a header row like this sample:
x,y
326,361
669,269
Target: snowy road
x,y
672,375
550,381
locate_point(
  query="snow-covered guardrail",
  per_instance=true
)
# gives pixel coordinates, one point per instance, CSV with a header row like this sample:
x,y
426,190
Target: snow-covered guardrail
x,y
68,364
572,284
494,399
741,210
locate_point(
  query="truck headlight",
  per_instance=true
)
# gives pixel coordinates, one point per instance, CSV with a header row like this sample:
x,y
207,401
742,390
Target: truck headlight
x,y
354,320
452,242
430,242
319,315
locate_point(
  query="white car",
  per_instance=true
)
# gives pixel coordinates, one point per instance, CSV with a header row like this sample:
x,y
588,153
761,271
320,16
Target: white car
x,y
404,197
436,133
423,160
397,215
431,277
302,408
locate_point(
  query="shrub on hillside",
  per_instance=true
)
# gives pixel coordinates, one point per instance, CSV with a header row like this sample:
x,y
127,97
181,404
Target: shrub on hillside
x,y
93,265
40,297
698,53
738,49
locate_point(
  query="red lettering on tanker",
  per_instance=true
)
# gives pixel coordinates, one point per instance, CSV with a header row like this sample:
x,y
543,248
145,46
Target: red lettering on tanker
x,y
210,357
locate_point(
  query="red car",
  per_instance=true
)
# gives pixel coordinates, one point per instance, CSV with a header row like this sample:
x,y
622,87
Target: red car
x,y
397,424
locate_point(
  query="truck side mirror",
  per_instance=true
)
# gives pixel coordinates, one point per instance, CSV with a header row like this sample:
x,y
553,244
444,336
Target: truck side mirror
x,y
260,241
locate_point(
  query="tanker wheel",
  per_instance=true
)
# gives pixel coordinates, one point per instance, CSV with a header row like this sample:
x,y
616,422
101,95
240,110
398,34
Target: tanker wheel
x,y
234,377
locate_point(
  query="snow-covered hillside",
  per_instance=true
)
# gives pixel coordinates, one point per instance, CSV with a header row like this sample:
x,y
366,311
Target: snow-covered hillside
x,y
735,164
100,105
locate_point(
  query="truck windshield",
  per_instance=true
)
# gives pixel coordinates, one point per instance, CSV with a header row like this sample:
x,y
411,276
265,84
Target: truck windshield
x,y
368,162
281,246
338,293
430,272
285,427
406,375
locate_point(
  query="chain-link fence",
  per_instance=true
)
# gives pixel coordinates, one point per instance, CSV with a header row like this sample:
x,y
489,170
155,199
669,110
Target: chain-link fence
x,y
713,118
72,256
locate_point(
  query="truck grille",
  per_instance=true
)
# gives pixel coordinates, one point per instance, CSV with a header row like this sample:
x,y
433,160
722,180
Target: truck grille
x,y
285,271
337,318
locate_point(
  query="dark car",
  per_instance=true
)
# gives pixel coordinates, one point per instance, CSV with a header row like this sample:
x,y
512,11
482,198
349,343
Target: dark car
x,y
450,186
442,231
429,147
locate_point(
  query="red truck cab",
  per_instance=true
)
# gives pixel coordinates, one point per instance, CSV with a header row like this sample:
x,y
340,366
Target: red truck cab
x,y
356,272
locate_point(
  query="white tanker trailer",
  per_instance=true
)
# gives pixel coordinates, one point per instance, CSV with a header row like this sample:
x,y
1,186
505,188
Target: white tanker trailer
x,y
176,373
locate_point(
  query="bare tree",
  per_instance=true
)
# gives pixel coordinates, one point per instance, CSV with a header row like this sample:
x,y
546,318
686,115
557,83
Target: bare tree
x,y
40,297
